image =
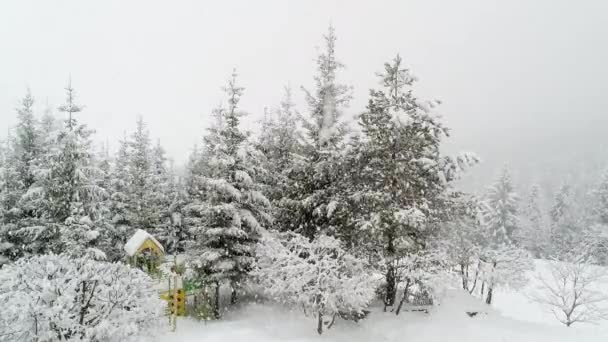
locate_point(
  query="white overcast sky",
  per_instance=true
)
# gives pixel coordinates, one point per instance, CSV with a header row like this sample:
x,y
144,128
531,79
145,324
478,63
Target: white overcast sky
x,y
523,82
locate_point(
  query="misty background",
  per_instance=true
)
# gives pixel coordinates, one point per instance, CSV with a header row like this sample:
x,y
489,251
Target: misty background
x,y
522,82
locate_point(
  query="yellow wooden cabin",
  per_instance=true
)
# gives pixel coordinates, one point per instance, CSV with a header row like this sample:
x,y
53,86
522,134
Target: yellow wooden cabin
x,y
145,252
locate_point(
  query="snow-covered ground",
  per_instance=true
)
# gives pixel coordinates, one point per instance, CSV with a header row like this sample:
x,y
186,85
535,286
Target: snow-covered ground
x,y
519,306
267,323
514,318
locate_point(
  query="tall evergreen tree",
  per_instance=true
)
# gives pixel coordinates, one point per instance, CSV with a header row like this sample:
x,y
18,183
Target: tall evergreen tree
x,y
228,210
313,200
565,230
280,144
399,174
71,187
501,214
140,178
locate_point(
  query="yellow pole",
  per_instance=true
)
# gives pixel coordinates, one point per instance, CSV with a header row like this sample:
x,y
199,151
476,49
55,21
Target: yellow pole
x,y
175,301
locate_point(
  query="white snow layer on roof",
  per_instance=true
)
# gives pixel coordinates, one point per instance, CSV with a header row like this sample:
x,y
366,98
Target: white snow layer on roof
x,y
137,240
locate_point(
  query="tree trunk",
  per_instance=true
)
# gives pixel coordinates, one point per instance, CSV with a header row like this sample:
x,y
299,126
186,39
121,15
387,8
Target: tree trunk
x,y
489,297
216,307
464,279
391,286
233,294
320,323
404,298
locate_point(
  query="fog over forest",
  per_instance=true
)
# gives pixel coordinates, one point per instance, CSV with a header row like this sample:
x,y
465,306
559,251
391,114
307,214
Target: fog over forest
x,y
521,83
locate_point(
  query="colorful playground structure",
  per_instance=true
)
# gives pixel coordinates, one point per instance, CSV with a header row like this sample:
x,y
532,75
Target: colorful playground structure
x,y
145,252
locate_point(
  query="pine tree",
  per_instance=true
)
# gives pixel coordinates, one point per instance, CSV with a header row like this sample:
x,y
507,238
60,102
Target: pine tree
x,y
10,241
534,233
177,234
398,171
565,233
313,200
140,178
228,210
71,188
279,142
501,223
28,142
601,200
163,181
501,214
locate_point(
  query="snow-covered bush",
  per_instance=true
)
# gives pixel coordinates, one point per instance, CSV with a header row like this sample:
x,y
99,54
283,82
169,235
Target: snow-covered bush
x,y
504,266
423,277
318,276
58,298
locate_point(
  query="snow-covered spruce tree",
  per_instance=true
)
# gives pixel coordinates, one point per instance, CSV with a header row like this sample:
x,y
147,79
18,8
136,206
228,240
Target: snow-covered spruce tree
x,y
504,263
162,192
10,242
23,158
313,201
227,211
601,199
318,276
279,141
119,210
596,234
176,234
28,143
140,178
71,184
502,209
534,233
57,298
399,175
565,230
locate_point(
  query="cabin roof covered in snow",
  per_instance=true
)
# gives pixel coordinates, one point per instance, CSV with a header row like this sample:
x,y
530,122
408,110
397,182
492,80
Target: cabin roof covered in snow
x,y
138,239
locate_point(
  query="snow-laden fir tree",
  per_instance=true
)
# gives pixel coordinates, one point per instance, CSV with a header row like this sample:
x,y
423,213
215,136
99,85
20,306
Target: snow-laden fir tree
x,y
228,210
534,234
162,192
279,142
398,175
601,199
71,183
176,233
280,138
565,231
502,209
28,143
10,241
597,232
140,178
313,200
504,263
26,223
119,209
